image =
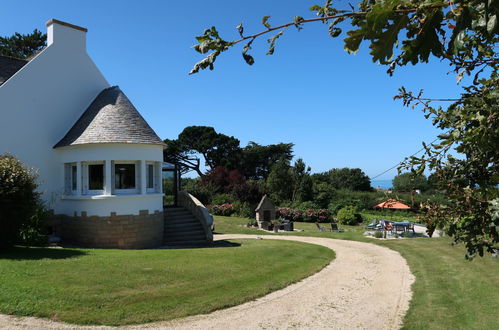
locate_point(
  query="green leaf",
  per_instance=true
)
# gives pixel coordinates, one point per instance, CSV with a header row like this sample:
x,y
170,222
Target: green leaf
x,y
271,41
240,29
352,42
382,46
297,20
247,57
265,21
334,31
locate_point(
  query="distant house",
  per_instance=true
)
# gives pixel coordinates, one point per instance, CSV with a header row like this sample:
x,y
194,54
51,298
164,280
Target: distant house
x,y
99,161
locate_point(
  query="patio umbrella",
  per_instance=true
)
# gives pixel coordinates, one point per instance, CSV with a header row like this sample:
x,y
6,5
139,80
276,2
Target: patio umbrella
x,y
392,205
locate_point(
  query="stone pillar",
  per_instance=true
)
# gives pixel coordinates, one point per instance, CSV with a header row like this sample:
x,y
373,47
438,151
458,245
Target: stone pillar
x,y
143,178
78,179
108,190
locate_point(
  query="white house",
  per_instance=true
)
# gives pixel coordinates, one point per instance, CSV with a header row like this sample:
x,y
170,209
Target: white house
x,y
99,161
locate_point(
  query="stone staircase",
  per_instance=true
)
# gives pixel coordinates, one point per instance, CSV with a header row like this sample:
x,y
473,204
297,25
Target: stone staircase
x,y
182,228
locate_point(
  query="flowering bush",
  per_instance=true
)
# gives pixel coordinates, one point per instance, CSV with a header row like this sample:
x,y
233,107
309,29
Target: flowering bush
x,y
289,214
309,215
222,209
317,215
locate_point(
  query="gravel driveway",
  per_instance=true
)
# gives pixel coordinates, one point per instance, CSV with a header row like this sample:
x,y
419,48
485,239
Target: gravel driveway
x,y
366,287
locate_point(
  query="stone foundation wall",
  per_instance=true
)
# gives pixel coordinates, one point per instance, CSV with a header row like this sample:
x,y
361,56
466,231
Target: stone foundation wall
x,y
116,231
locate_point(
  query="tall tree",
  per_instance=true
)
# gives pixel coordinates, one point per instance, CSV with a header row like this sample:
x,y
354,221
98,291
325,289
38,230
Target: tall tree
x,y
193,142
279,183
407,182
348,178
302,184
257,160
23,45
465,34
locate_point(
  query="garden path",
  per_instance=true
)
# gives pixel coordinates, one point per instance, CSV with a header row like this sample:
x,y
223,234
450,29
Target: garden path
x,y
366,287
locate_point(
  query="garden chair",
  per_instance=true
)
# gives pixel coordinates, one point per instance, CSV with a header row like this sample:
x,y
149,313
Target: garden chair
x,y
411,228
372,225
321,228
334,227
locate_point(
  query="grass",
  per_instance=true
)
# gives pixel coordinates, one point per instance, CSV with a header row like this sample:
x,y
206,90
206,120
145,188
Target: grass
x,y
449,293
117,287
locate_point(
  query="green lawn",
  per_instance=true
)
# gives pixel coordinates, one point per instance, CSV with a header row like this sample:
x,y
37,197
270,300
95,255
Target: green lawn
x,y
449,293
115,287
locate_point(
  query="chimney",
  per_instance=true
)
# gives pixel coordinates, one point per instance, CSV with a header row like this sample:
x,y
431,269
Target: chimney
x,y
64,34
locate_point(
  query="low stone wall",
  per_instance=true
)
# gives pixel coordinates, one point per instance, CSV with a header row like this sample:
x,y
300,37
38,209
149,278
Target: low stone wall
x,y
116,231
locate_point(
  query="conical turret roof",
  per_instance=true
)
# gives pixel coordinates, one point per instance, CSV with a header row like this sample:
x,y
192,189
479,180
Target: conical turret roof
x,y
111,118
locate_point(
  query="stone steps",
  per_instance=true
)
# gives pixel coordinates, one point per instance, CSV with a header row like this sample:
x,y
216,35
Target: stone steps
x,y
182,228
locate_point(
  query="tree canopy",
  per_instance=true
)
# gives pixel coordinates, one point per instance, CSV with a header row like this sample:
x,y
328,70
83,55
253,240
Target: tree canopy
x,y
23,45
217,149
407,182
464,34
202,143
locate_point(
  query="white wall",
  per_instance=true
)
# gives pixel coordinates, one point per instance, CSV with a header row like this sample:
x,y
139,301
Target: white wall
x,y
103,205
42,101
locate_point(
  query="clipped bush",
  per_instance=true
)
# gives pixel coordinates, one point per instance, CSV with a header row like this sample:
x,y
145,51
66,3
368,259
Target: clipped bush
x,y
19,202
317,215
349,216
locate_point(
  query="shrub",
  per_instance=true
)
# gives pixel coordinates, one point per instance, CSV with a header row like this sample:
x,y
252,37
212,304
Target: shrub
x,y
378,234
223,209
349,216
203,192
289,214
243,209
306,206
317,215
19,201
219,199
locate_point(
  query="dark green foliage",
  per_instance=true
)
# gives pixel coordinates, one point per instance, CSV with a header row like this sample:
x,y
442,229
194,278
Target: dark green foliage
x,y
278,183
203,192
408,181
20,206
302,183
23,45
244,209
223,199
345,178
349,178
217,149
349,215
257,160
360,199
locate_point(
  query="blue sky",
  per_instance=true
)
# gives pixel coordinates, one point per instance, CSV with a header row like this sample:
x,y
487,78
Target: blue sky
x,y
336,108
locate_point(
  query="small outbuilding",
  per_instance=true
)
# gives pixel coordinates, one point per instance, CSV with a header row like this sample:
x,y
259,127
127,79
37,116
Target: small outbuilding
x,y
265,212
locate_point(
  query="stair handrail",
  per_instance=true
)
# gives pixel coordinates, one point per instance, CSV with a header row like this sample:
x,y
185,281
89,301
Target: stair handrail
x,y
199,211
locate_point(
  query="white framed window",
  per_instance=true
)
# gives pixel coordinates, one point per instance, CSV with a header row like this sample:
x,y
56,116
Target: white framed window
x,y
151,178
70,178
126,177
93,178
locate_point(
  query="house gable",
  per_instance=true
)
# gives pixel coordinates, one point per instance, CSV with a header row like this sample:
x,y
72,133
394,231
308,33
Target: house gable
x,y
42,100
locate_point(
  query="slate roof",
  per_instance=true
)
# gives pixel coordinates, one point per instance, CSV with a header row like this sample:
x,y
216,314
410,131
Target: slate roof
x,y
111,118
265,200
9,66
